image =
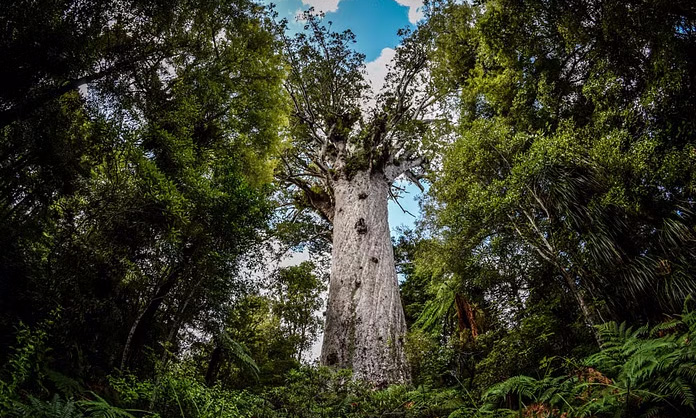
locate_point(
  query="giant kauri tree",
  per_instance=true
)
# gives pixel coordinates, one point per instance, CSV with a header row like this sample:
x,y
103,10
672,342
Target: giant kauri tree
x,y
342,164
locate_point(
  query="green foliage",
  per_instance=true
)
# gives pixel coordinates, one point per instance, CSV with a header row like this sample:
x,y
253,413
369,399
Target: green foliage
x,y
297,298
637,372
311,392
306,392
565,151
177,393
253,348
136,146
55,408
239,353
100,408
138,141
565,199
26,372
430,360
264,336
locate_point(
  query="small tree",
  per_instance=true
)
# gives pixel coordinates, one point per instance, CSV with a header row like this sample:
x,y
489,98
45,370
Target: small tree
x,y
296,301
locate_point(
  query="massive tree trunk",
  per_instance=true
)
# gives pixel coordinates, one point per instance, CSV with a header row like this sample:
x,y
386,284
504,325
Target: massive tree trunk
x,y
365,323
342,164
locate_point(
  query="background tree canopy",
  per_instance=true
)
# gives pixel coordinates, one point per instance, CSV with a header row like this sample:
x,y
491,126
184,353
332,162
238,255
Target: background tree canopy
x,y
128,204
146,150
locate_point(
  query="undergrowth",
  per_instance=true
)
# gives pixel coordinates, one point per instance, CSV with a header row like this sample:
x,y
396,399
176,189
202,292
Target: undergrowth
x,y
643,372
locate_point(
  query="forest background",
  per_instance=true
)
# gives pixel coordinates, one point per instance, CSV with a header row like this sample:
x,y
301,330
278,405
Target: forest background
x,y
551,273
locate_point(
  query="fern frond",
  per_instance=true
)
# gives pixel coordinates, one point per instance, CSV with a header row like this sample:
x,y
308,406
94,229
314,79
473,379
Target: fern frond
x,y
100,408
240,353
65,385
679,388
665,328
437,308
55,408
519,385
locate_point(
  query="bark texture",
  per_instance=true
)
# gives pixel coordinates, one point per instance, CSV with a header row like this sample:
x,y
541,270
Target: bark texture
x,y
365,323
466,318
342,165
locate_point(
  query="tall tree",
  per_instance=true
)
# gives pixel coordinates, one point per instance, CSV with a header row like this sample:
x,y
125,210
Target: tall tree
x,y
576,141
130,202
343,162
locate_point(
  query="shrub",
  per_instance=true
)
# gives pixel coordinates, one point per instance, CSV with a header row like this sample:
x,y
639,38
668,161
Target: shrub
x,y
644,372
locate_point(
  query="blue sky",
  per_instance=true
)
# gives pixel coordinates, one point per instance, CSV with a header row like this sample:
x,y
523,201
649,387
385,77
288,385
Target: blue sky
x,y
375,24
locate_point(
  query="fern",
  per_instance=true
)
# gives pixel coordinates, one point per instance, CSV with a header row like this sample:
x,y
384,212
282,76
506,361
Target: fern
x,y
437,309
643,372
518,385
55,408
239,353
66,385
100,408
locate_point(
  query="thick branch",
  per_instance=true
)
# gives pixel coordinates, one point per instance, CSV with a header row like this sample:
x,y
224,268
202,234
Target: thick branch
x,y
321,201
317,198
399,167
32,103
415,179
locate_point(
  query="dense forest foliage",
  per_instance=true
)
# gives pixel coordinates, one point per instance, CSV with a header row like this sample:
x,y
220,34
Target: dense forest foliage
x,y
158,157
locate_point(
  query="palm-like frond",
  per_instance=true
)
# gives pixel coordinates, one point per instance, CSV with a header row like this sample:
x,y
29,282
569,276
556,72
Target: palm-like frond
x,y
643,371
100,408
437,309
239,353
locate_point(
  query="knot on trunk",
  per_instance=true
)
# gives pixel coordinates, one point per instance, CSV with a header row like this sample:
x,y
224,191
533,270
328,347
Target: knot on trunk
x,y
361,227
332,359
362,196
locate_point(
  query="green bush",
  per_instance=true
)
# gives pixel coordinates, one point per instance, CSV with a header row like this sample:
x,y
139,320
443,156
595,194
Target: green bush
x,y
644,372
319,392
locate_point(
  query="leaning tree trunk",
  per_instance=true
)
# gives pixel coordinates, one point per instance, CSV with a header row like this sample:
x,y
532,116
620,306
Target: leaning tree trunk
x,y
365,323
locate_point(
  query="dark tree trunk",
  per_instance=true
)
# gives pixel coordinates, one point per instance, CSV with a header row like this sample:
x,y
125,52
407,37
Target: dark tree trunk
x,y
214,365
138,331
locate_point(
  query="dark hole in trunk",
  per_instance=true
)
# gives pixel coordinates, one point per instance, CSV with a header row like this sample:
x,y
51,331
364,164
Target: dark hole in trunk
x,y
332,359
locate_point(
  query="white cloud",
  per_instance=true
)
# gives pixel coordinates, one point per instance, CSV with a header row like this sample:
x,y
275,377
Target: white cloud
x,y
377,70
326,6
415,9
294,258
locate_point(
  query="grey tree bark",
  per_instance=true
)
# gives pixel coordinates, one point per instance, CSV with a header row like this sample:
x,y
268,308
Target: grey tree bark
x,y
365,323
342,165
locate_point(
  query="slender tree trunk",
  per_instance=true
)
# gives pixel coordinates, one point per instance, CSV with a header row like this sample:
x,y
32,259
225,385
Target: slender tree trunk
x,y
214,365
465,316
139,328
587,312
303,343
549,253
365,323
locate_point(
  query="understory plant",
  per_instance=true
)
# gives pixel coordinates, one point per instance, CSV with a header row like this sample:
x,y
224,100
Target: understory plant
x,y
643,372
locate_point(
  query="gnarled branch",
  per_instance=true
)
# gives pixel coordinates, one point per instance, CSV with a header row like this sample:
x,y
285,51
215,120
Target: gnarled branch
x,y
402,166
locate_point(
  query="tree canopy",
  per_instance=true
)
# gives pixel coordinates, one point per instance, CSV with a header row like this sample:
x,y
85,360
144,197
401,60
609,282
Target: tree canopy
x,y
155,155
136,177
